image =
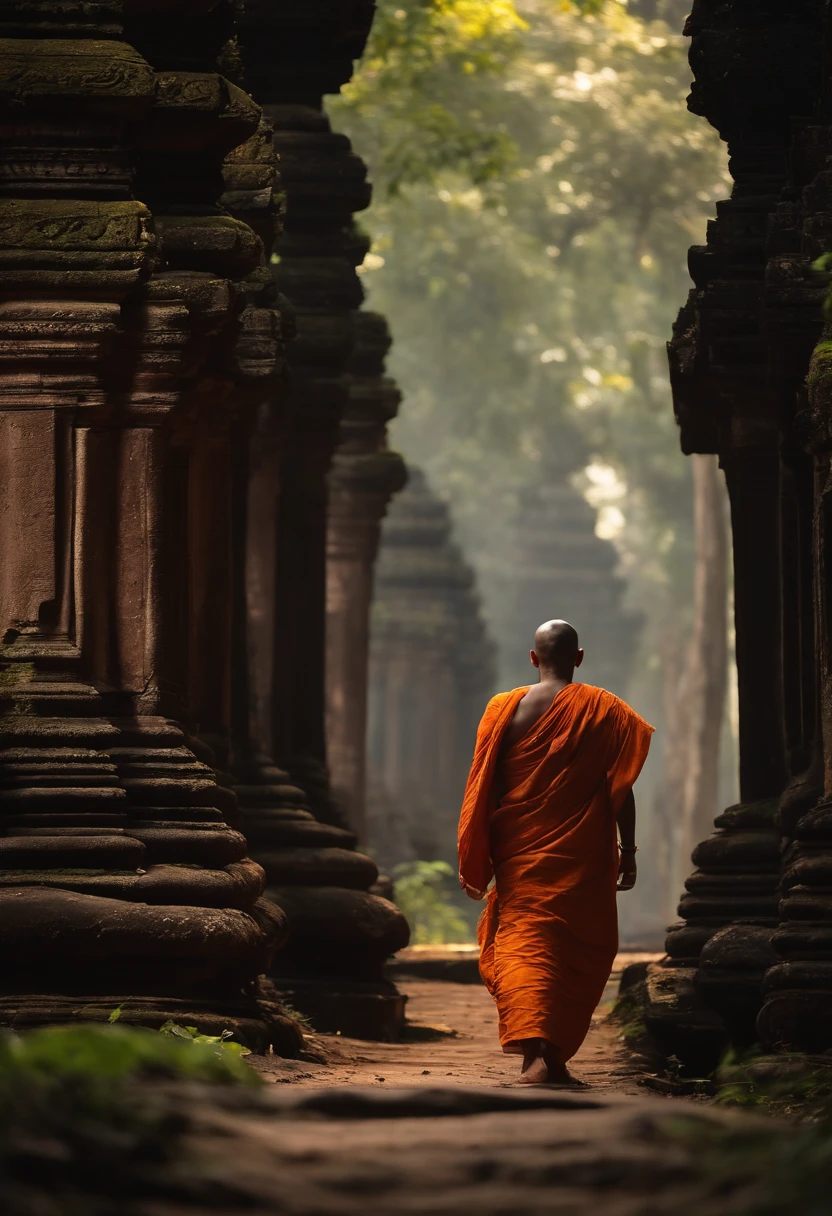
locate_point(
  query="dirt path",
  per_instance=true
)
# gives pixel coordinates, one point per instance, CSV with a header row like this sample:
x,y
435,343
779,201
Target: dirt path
x,y
452,1040
433,1126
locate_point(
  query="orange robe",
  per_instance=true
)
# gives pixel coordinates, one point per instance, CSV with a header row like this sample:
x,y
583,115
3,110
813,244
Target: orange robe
x,y
549,932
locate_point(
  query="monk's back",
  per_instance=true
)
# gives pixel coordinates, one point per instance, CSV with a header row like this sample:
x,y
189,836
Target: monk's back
x,y
532,707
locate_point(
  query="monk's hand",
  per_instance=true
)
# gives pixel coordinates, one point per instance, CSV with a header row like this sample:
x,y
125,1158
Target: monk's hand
x,y
627,871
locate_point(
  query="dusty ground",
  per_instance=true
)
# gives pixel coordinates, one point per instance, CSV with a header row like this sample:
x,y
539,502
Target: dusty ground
x,y
378,1151
434,1126
452,1040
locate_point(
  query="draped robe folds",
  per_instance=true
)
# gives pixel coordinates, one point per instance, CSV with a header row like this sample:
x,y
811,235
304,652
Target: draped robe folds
x,y
540,818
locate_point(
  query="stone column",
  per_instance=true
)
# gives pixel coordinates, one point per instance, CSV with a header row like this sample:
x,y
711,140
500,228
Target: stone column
x,y
426,691
325,184
755,71
123,884
798,987
341,934
364,475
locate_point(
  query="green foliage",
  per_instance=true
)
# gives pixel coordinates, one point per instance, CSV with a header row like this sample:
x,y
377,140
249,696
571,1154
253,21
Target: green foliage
x,y
101,1054
220,1044
823,265
423,892
788,1085
531,295
820,368
766,1171
302,1019
81,1128
418,54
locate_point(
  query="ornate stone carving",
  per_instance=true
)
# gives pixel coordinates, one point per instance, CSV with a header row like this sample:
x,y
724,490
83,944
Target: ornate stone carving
x,y
122,871
340,932
739,359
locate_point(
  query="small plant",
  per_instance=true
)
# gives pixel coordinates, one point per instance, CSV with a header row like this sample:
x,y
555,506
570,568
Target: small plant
x,y
790,1084
302,1019
768,1170
628,1014
823,265
424,892
101,1053
217,1042
84,1124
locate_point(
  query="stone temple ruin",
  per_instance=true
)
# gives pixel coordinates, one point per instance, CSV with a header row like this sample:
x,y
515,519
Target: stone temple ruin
x,y
194,468
560,567
184,357
752,956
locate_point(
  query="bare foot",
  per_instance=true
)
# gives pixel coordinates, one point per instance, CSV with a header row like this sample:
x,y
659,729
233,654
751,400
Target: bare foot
x,y
538,1056
562,1077
558,1073
542,1065
535,1072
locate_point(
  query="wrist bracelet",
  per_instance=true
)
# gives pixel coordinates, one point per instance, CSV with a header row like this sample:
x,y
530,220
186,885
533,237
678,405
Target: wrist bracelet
x,y
634,849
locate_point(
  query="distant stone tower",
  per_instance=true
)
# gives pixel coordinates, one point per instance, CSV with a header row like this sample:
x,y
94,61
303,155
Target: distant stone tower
x,y
431,672
560,568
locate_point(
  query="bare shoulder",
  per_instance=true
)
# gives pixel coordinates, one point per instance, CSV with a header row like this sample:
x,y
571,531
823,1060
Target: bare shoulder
x,y
530,707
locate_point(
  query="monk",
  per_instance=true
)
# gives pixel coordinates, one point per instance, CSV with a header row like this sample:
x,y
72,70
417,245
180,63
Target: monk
x,y
550,790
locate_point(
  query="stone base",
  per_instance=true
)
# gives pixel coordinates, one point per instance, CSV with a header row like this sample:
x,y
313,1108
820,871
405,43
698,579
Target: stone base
x,y
678,1020
797,1019
730,977
338,931
257,1024
450,964
341,934
368,1010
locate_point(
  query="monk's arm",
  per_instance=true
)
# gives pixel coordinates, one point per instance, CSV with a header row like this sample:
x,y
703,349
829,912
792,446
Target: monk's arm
x,y
627,822
627,869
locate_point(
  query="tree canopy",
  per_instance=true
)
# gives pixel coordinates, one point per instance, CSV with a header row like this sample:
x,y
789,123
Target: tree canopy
x,y
538,180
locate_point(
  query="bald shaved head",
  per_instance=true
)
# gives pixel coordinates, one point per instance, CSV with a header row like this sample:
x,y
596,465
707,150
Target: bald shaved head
x,y
556,647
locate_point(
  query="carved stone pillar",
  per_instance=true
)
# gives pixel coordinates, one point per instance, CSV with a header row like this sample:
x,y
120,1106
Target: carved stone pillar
x,y
122,883
798,1006
798,988
735,393
364,475
340,933
431,672
325,184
